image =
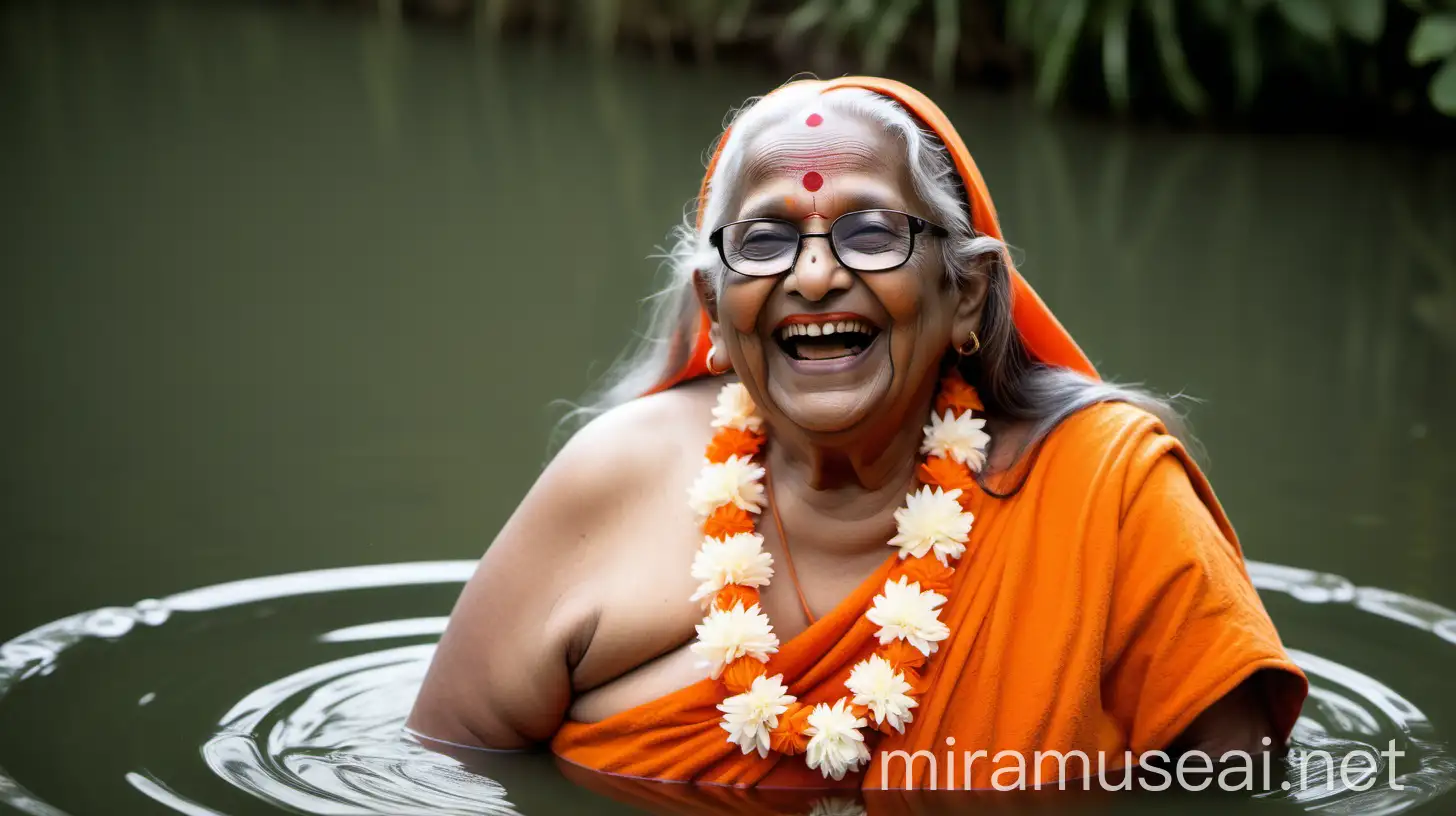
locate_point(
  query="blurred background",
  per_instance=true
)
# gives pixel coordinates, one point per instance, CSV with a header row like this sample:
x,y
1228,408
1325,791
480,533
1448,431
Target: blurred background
x,y
297,285
1342,65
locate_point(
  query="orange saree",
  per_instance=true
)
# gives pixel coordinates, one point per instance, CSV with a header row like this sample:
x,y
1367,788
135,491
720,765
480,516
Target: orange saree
x,y
1102,608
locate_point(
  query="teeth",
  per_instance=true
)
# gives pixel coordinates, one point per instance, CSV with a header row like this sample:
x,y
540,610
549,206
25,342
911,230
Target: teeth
x,y
825,329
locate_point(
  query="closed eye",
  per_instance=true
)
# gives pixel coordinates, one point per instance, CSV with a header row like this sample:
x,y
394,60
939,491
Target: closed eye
x,y
871,238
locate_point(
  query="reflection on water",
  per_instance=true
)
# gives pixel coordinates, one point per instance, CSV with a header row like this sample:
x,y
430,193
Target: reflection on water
x,y
331,733
287,289
327,736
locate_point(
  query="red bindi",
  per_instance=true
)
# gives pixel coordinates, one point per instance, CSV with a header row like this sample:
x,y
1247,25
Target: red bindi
x,y
814,120
813,181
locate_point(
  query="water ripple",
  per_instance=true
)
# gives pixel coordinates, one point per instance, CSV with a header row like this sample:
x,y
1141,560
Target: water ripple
x,y
327,738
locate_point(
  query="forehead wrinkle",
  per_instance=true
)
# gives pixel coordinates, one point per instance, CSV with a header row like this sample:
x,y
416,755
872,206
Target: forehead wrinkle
x,y
824,152
838,156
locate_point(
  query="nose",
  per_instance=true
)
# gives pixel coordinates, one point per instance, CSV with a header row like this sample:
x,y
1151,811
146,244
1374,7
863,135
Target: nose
x,y
816,273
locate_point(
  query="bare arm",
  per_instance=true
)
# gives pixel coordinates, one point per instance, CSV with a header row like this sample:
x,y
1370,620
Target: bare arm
x,y
501,677
1239,721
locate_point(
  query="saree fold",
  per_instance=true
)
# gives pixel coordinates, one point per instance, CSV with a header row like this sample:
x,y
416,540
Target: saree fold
x,y
1100,608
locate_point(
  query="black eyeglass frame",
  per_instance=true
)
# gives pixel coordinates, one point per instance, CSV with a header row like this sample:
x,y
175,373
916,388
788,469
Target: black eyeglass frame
x,y
917,225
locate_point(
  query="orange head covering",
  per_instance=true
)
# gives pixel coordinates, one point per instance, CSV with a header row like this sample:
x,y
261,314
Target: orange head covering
x,y
1042,334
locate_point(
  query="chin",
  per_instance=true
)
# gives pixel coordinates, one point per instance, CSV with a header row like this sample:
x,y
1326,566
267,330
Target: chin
x,y
829,413
831,396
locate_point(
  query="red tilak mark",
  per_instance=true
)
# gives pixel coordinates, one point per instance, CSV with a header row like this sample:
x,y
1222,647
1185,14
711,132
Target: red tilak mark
x,y
813,259
813,181
814,120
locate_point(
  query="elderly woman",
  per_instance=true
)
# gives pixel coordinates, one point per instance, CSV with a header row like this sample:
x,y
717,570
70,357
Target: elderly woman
x,y
859,492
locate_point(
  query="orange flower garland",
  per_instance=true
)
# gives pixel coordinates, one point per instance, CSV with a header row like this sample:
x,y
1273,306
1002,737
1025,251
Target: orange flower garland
x,y
736,638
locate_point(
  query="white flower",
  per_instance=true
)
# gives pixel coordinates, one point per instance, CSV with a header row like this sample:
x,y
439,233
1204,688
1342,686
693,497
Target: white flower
x,y
748,717
957,437
732,482
728,634
735,409
835,744
737,559
876,684
836,807
932,519
906,613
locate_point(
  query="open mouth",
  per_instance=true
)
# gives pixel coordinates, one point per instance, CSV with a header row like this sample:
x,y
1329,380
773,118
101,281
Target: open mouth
x,y
826,340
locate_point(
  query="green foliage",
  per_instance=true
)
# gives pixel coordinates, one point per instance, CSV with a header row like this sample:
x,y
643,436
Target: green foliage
x,y
1201,55
879,26
1443,88
1435,40
1253,32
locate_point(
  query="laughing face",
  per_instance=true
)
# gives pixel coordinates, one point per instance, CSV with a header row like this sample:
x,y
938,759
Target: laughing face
x,y
851,331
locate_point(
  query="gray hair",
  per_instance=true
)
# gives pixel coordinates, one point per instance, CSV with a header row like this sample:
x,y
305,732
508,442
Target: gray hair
x,y
1011,384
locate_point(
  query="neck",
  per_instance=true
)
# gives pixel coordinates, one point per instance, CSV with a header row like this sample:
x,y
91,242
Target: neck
x,y
849,478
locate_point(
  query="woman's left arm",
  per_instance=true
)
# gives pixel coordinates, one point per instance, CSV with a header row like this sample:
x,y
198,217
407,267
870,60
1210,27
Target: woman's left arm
x,y
1239,721
1192,660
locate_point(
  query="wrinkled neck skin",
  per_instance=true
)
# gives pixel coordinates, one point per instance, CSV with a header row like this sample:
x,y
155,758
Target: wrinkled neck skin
x,y
862,473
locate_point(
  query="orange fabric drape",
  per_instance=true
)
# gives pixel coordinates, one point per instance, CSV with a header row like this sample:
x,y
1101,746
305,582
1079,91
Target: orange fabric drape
x,y
1043,335
1102,608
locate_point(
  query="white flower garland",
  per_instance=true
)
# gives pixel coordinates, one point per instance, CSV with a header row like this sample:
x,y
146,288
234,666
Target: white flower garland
x,y
932,521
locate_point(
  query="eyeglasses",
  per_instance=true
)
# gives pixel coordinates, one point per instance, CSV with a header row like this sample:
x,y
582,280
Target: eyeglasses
x,y
862,241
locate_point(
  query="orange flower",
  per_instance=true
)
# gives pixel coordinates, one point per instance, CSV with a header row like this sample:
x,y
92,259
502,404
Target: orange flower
x,y
741,673
788,736
734,594
948,474
957,395
903,656
727,520
733,442
925,570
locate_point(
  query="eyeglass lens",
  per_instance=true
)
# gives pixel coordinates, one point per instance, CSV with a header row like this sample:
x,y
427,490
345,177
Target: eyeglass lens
x,y
867,241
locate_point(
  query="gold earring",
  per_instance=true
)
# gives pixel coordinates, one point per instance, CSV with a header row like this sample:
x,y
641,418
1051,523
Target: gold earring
x,y
708,363
974,343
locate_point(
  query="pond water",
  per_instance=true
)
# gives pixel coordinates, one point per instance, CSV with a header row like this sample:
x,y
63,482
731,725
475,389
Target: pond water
x,y
288,295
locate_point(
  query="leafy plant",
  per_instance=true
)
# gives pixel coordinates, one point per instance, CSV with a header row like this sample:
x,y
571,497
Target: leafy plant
x,y
879,28
1203,56
1434,41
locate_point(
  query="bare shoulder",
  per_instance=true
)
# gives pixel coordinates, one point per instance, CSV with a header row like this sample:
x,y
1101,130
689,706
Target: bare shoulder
x,y
620,462
616,496
517,642
611,476
642,433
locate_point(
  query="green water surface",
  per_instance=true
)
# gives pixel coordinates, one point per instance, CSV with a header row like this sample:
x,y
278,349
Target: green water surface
x,y
285,289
